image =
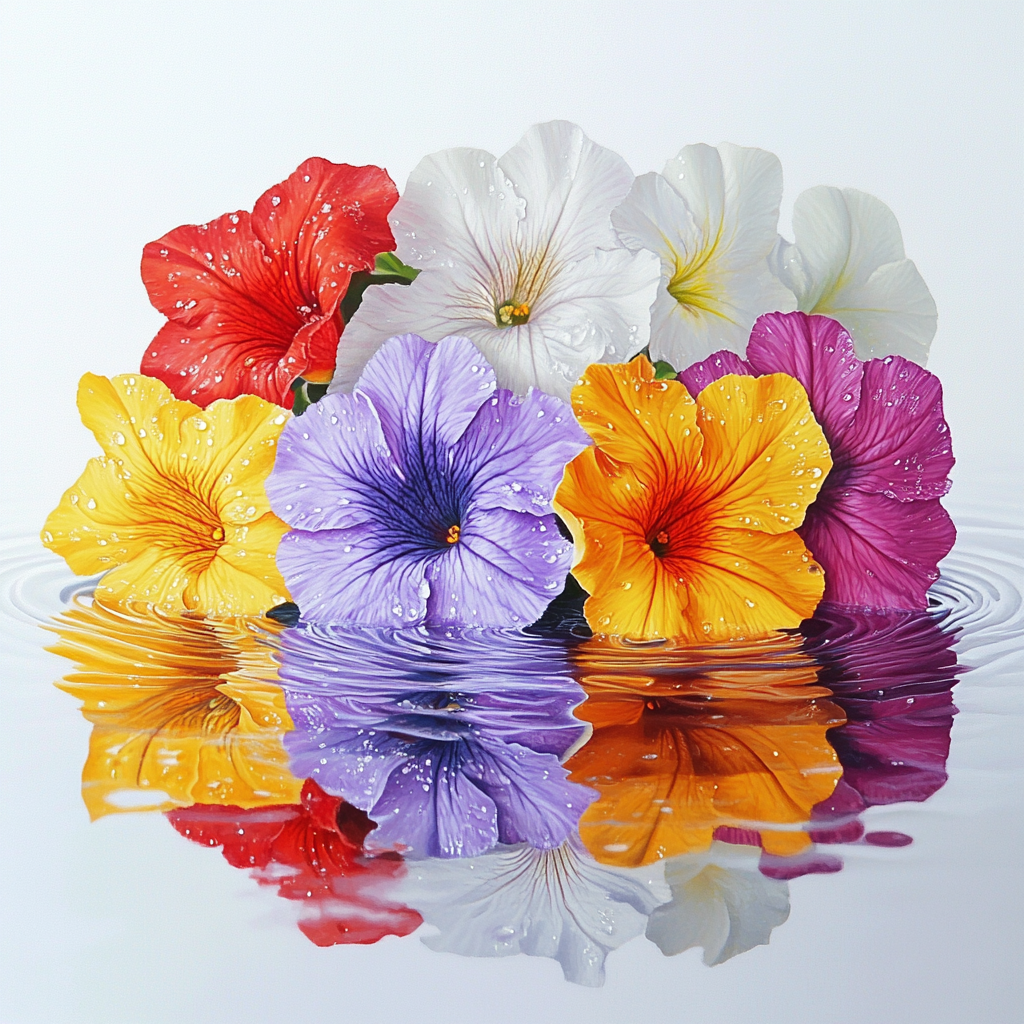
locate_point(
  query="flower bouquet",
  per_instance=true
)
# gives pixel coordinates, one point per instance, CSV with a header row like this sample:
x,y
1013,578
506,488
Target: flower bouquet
x,y
404,480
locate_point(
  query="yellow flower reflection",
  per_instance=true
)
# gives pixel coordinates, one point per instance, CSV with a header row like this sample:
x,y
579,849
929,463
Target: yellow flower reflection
x,y
183,710
686,741
174,511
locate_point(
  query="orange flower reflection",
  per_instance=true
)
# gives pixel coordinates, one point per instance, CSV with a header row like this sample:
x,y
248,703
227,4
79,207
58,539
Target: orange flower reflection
x,y
686,741
184,710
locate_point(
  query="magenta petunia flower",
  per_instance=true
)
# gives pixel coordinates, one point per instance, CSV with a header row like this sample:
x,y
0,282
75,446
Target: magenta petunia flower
x,y
877,527
424,496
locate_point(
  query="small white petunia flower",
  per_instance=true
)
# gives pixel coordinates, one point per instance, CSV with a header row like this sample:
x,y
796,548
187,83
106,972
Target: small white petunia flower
x,y
712,216
848,263
519,255
720,901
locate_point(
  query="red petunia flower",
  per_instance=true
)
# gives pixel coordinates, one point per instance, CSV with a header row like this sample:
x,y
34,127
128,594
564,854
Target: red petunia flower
x,y
252,300
312,852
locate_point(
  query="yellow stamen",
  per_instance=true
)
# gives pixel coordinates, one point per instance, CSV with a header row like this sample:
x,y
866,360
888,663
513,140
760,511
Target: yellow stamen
x,y
511,314
452,537
218,533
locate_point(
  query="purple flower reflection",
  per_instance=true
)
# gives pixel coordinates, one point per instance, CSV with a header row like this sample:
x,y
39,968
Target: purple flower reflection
x,y
893,674
877,526
450,741
425,495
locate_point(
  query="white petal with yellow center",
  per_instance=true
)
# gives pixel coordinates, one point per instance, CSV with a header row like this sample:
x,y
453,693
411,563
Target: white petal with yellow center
x,y
712,218
517,254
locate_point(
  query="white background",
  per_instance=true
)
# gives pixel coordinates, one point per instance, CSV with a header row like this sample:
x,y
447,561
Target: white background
x,y
122,121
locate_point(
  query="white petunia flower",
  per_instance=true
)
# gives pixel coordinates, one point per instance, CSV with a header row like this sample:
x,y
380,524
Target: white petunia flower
x,y
848,263
516,899
519,255
712,216
720,901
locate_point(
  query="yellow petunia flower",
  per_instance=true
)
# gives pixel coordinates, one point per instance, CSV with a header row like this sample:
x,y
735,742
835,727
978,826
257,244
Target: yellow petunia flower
x,y
184,710
683,513
174,512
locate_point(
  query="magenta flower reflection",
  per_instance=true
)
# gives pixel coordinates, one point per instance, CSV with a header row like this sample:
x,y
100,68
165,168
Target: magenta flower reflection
x,y
877,527
424,496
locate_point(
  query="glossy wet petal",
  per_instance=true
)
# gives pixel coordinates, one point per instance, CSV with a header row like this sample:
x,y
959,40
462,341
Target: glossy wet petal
x,y
176,508
878,552
899,444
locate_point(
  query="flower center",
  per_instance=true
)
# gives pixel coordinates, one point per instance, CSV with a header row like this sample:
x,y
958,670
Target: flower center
x,y
659,544
692,287
218,533
452,536
511,314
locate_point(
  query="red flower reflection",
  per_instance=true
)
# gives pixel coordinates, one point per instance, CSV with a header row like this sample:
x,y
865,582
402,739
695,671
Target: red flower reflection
x,y
252,300
321,841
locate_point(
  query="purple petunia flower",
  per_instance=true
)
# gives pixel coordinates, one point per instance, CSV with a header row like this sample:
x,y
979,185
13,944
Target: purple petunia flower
x,y
450,741
424,496
876,527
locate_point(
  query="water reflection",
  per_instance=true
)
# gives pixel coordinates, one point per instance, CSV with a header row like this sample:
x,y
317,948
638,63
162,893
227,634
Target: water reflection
x,y
556,903
691,743
893,674
311,852
450,741
550,794
183,711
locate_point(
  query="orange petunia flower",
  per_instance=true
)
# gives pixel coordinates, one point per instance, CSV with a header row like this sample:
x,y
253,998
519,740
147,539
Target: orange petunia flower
x,y
683,513
184,711
683,746
174,511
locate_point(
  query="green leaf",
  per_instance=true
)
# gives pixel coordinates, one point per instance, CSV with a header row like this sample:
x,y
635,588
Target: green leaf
x,y
389,263
388,269
663,370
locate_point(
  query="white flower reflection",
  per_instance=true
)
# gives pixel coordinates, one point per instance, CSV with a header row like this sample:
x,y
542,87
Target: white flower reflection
x,y
848,263
720,901
552,903
519,255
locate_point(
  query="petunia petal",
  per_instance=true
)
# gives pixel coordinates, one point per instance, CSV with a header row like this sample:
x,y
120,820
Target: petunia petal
x,y
712,218
632,417
332,464
504,570
764,457
514,452
569,184
696,377
877,551
899,443
433,808
818,352
425,395
176,488
458,206
747,583
321,223
536,804
251,300
848,263
437,304
357,575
